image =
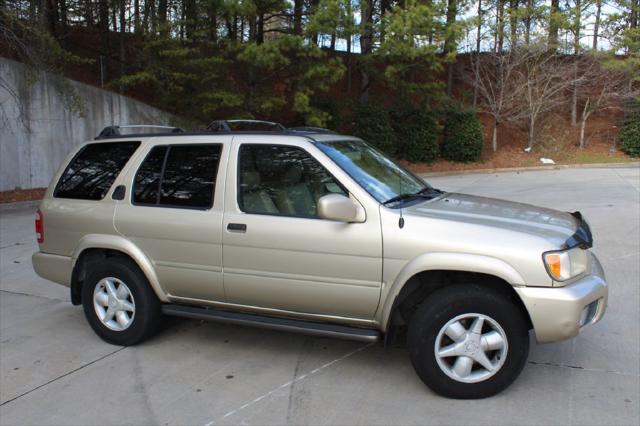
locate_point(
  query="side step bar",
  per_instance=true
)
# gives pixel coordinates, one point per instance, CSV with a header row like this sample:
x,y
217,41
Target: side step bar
x,y
274,323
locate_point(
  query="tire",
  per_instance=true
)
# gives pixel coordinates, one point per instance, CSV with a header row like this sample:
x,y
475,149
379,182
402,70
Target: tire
x,y
469,306
135,311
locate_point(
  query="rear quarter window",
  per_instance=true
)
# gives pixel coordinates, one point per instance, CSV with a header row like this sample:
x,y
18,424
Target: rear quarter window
x,y
93,170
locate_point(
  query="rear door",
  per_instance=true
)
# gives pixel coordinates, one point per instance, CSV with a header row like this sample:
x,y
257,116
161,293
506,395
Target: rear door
x,y
173,211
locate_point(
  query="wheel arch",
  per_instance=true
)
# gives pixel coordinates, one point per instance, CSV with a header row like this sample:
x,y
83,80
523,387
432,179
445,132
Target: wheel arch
x,y
430,272
96,247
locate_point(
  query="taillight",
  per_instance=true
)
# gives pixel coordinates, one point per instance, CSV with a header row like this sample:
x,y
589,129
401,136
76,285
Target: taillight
x,y
39,226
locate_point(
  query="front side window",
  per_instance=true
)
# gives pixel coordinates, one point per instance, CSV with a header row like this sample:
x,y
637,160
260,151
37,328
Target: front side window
x,y
282,180
93,170
178,176
376,173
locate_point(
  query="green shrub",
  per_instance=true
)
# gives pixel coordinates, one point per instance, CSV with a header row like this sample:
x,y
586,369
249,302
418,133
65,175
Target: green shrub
x,y
462,136
630,137
416,132
372,124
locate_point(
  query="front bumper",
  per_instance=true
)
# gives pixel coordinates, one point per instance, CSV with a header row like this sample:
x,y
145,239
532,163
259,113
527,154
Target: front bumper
x,y
557,312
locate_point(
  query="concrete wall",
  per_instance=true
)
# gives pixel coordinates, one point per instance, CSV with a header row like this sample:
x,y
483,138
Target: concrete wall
x,y
32,149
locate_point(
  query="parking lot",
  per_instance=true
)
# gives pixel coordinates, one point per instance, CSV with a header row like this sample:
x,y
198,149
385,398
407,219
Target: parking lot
x,y
55,370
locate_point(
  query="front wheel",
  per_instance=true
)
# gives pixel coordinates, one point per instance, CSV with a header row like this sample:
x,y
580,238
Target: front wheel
x,y
468,341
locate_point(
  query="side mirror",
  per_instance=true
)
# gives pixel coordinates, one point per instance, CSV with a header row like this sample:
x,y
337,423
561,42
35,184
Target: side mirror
x,y
340,208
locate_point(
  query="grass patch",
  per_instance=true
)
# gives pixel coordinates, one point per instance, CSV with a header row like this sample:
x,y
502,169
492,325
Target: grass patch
x,y
597,157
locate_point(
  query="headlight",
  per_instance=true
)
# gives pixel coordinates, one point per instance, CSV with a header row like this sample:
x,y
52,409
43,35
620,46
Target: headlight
x,y
566,264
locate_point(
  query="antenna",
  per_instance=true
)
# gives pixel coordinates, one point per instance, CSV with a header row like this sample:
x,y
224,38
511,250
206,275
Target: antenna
x,y
401,220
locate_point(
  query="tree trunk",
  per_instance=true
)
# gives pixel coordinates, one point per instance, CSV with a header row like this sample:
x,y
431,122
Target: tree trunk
x,y
311,11
87,12
553,24
103,25
494,135
261,29
596,24
513,21
477,58
499,33
145,16
213,22
123,23
527,23
136,16
583,123
48,16
191,16
366,46
532,130
450,43
162,17
577,24
297,16
63,16
574,95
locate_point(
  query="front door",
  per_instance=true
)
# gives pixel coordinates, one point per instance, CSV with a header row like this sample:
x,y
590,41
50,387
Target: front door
x,y
278,254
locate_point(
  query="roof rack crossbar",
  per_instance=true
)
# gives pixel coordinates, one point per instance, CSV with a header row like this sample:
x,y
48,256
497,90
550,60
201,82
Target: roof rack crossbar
x,y
223,125
111,131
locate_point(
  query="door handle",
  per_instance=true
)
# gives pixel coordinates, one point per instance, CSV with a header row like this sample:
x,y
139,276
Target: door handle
x,y
237,227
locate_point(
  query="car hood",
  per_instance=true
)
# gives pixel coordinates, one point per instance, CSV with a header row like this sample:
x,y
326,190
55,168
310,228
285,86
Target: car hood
x,y
550,224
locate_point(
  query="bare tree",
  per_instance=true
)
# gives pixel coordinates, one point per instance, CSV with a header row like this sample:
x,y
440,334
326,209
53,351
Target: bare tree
x,y
542,80
493,79
600,89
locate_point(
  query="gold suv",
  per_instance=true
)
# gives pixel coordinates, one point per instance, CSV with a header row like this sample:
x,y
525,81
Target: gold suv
x,y
309,231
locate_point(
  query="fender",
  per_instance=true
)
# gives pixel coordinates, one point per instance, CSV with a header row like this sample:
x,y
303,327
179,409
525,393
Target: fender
x,y
119,243
446,261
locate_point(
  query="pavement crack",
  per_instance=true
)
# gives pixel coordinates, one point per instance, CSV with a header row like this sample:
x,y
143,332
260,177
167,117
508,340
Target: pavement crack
x,y
577,367
20,243
289,383
62,376
18,293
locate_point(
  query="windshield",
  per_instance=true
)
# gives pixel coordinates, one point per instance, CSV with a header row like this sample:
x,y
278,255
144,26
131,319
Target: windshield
x,y
375,172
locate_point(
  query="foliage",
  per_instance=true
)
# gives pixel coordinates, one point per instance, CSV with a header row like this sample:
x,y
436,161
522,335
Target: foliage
x,y
415,131
410,61
250,79
39,51
274,59
462,136
630,134
373,124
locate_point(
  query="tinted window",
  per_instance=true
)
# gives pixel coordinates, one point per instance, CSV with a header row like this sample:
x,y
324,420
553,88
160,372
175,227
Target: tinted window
x,y
93,170
147,182
178,175
282,180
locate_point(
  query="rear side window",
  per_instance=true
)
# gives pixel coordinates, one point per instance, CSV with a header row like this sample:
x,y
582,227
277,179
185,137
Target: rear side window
x,y
94,169
178,176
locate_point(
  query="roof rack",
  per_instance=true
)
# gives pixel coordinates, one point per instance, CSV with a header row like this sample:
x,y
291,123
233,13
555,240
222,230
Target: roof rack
x,y
311,130
227,126
113,131
231,125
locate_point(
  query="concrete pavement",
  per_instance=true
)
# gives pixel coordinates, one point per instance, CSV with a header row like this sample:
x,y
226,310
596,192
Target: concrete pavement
x,y
54,370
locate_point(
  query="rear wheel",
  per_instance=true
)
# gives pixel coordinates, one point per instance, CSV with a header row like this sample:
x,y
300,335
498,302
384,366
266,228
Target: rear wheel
x,y
119,303
468,341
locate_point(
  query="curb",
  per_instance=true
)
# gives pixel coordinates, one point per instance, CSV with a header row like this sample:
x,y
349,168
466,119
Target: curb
x,y
633,164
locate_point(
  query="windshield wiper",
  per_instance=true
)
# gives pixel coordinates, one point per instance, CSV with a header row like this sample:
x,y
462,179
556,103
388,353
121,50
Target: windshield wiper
x,y
426,192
